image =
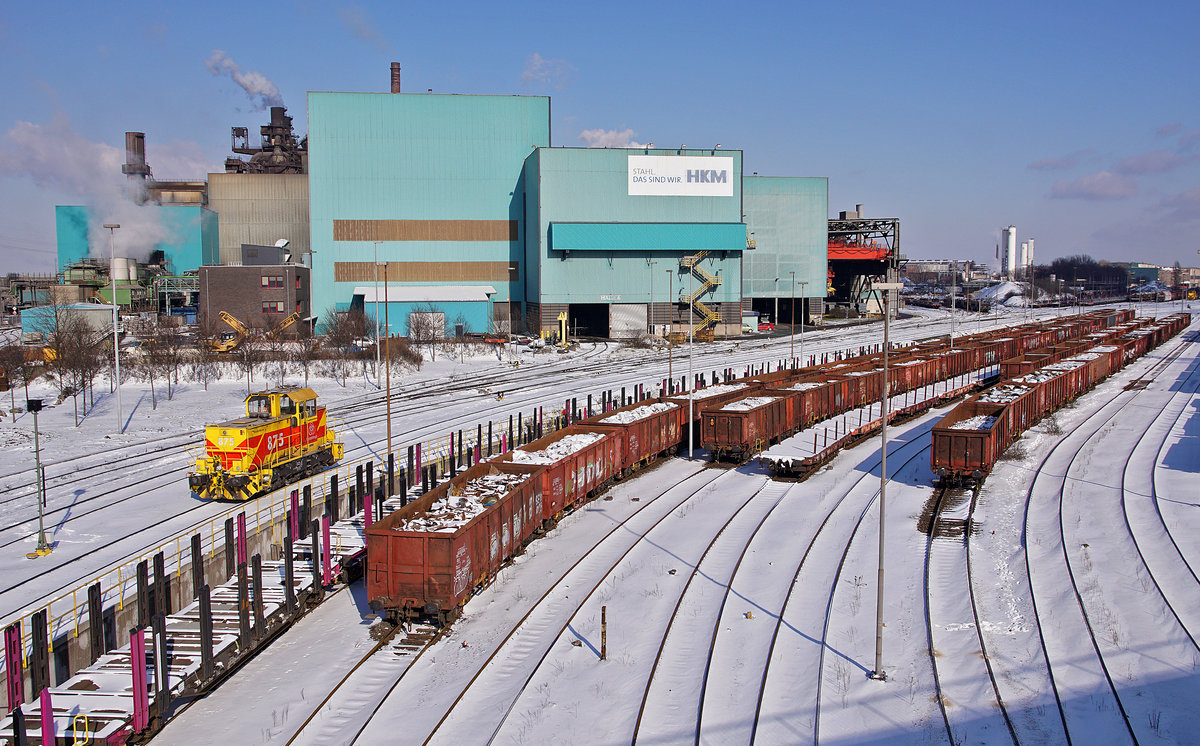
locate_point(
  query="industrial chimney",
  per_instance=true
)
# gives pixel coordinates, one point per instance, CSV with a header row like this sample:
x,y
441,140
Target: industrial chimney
x,y
135,156
859,209
395,77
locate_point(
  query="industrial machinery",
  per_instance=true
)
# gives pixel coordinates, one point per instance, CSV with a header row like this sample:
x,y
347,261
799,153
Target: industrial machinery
x,y
283,437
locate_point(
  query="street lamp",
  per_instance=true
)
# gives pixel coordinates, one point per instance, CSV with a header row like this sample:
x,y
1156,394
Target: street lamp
x,y
792,340
802,319
650,305
670,326
879,673
112,276
377,313
387,371
690,388
43,547
775,318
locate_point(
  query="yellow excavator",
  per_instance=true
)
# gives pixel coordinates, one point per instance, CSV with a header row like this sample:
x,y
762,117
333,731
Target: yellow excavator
x,y
230,341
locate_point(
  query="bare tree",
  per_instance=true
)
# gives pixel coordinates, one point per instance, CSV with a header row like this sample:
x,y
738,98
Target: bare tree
x,y
339,337
168,350
426,326
208,333
74,352
304,349
12,360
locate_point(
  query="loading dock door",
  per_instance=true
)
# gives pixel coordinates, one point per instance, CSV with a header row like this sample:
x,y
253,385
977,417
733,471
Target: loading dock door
x,y
627,320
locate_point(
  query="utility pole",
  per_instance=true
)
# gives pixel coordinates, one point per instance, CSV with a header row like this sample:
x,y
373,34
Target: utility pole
x,y
377,314
879,674
112,276
387,324
650,305
690,387
34,406
802,314
670,325
792,340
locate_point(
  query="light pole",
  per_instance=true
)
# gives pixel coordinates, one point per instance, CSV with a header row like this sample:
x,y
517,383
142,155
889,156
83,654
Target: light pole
x,y
802,320
650,305
953,304
112,276
377,313
879,673
792,340
387,325
670,327
775,318
43,547
690,388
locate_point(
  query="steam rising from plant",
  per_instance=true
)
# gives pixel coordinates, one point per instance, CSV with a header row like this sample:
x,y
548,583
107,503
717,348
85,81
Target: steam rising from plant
x,y
257,86
57,157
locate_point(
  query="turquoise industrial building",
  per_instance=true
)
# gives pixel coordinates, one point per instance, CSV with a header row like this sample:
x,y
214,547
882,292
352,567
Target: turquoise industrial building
x,y
474,218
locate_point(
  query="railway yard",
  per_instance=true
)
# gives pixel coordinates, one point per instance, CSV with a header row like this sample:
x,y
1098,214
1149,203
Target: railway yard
x,y
1052,600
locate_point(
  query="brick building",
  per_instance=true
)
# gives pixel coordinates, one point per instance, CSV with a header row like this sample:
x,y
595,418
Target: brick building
x,y
259,296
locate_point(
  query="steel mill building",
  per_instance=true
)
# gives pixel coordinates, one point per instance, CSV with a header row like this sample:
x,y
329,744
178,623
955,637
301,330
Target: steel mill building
x,y
471,214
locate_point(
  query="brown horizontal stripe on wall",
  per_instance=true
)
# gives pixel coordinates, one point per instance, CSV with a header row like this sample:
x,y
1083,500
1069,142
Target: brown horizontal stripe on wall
x,y
428,272
424,230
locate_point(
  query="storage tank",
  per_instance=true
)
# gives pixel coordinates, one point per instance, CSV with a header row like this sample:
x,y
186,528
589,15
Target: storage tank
x,y
124,269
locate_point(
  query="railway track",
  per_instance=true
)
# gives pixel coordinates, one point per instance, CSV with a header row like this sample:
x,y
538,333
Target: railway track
x,y
1092,694
653,509
968,713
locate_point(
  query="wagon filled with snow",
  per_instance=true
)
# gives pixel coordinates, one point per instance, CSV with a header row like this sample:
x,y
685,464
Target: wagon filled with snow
x,y
425,559
578,461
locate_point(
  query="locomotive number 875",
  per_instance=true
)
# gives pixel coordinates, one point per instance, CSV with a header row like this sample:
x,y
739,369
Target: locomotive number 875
x,y
283,437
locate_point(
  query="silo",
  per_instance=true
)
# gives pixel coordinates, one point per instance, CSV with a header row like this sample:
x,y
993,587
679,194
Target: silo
x,y
124,269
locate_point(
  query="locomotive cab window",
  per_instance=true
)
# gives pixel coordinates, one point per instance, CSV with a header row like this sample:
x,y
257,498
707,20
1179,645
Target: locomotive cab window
x,y
286,405
259,407
310,409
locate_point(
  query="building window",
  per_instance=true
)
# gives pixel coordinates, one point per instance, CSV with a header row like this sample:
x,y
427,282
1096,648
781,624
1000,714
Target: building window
x,y
297,282
272,306
272,281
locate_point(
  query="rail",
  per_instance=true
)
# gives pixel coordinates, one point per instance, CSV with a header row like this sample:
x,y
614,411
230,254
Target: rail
x,y
67,612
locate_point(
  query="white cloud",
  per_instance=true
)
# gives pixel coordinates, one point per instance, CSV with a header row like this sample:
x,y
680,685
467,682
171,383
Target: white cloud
x,y
1104,185
601,138
257,86
554,72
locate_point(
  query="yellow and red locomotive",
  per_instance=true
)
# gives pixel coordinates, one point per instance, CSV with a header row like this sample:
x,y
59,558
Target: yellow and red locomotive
x,y
283,437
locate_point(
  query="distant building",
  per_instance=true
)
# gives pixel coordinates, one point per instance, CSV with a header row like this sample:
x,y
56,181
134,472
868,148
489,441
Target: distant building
x,y
259,296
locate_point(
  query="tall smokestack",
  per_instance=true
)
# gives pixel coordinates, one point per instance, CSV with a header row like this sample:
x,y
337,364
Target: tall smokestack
x,y
135,156
859,210
395,77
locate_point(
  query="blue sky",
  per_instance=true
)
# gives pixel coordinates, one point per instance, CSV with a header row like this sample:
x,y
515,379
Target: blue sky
x,y
1077,122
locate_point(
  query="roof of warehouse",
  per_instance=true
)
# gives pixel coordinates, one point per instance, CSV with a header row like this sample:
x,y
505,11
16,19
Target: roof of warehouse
x,y
426,293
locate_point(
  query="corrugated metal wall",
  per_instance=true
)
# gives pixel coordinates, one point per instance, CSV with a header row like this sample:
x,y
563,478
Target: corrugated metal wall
x,y
788,217
259,209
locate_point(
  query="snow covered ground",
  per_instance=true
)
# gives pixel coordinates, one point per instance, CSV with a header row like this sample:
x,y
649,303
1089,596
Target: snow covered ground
x,y
739,607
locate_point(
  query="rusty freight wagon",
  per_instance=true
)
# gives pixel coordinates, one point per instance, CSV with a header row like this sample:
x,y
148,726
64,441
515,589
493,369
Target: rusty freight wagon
x,y
577,461
740,428
427,558
647,429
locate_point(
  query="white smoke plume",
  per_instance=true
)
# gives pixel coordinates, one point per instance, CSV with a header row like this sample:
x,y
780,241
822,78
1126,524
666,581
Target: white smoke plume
x,y
257,86
601,138
55,156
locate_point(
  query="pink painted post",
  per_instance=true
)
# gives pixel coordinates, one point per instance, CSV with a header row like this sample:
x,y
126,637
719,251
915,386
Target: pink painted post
x,y
295,517
241,538
13,665
326,552
478,453
48,734
420,464
504,443
368,503
141,697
